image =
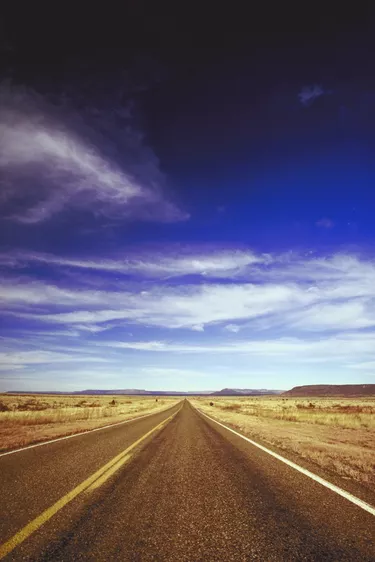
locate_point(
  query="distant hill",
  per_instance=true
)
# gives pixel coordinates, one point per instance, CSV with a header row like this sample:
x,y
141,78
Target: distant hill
x,y
124,391
142,392
244,392
332,390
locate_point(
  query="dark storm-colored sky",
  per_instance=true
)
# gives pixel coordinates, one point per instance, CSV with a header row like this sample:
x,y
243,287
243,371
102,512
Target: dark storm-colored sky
x,y
182,216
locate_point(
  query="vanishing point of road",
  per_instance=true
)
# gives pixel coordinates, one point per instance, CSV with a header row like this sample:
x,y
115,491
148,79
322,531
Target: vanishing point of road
x,y
173,486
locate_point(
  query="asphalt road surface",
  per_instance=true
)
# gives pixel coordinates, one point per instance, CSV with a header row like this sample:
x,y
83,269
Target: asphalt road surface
x,y
173,486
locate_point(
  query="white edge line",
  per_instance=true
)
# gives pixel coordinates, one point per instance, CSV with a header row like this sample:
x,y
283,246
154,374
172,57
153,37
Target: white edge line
x,y
360,503
82,433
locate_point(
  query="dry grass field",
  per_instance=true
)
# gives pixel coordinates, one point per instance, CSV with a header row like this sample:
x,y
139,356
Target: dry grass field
x,y
26,419
337,434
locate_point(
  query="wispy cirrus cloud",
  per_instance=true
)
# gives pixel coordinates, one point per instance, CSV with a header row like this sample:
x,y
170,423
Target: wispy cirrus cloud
x,y
298,292
54,159
342,346
38,357
190,307
309,94
227,265
259,312
354,314
234,328
172,262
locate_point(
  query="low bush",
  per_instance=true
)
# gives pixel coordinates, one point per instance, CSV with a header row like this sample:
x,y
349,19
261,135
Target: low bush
x,y
233,407
4,407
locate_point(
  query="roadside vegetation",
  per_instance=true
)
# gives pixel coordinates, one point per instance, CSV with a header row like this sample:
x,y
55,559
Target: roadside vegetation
x,y
336,434
26,419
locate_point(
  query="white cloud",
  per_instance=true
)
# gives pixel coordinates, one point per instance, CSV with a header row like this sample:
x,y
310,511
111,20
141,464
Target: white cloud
x,y
232,328
30,292
213,264
309,94
298,293
52,160
158,264
338,272
22,358
183,307
343,347
343,315
91,328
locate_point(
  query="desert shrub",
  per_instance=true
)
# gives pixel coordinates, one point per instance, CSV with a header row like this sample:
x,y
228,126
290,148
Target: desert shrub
x,y
232,407
350,409
32,405
309,406
4,407
211,404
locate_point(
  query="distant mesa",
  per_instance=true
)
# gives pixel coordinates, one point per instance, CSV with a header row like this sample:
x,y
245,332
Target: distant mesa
x,y
303,391
142,392
126,391
332,390
244,392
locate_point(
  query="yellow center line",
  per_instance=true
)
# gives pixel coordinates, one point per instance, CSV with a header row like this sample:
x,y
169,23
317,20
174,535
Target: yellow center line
x,y
108,473
95,480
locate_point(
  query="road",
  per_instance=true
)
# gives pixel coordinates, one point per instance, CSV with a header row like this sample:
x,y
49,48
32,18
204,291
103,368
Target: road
x,y
190,491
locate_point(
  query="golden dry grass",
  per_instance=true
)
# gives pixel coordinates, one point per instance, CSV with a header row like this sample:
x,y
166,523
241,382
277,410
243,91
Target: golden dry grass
x,y
337,435
26,419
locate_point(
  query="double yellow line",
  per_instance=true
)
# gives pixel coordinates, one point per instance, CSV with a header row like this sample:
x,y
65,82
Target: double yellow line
x,y
94,481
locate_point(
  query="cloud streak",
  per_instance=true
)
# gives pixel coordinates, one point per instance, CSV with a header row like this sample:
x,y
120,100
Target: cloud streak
x,y
298,293
54,159
341,347
309,94
156,264
252,311
190,307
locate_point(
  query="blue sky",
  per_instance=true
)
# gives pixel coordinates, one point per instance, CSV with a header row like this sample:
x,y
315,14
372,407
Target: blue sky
x,y
190,235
